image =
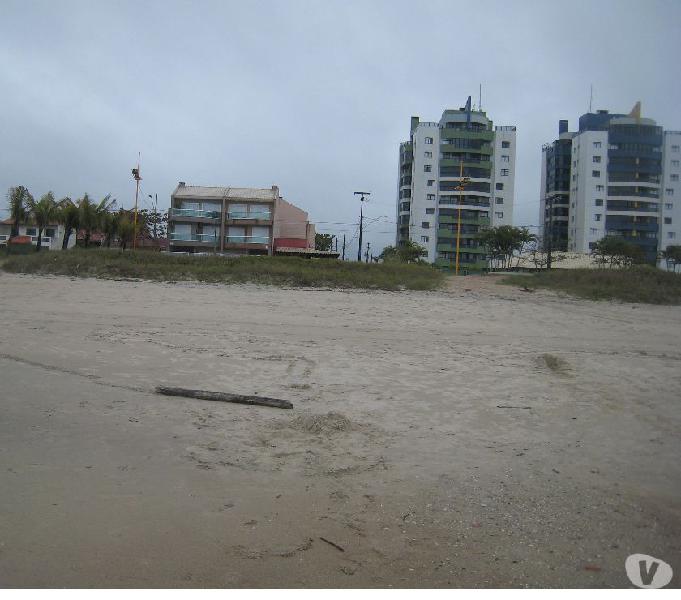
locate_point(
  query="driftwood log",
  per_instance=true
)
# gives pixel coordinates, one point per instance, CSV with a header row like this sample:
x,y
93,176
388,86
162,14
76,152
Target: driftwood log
x,y
224,397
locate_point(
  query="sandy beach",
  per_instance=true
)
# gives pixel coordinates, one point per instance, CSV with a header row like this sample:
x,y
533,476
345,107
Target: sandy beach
x,y
432,443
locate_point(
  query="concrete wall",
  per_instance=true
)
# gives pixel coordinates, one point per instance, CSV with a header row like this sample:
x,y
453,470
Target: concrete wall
x,y
502,201
292,222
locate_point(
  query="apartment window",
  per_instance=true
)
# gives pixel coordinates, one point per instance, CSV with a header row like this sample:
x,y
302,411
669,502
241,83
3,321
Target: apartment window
x,y
505,158
429,140
427,168
499,186
669,206
505,144
597,216
674,177
599,201
430,211
597,145
593,231
49,233
31,231
600,188
428,154
675,163
671,235
431,182
667,220
597,159
595,173
504,172
499,215
669,191
430,196
499,200
425,225
675,148
425,239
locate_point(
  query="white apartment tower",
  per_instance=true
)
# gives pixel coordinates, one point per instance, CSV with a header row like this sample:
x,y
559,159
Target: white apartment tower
x,y
431,164
618,175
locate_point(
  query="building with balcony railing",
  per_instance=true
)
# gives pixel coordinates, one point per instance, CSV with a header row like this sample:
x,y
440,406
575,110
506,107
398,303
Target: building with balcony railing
x,y
234,220
52,238
618,175
463,143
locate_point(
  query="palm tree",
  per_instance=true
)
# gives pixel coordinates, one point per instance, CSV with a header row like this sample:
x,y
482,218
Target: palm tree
x,y
92,215
17,198
44,212
109,224
126,228
69,217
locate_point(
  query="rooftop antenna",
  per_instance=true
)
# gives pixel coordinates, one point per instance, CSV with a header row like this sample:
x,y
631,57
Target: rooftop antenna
x,y
591,96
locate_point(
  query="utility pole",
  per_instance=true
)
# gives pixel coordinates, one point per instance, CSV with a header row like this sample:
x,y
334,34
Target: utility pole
x,y
462,183
361,221
136,176
366,254
550,234
343,247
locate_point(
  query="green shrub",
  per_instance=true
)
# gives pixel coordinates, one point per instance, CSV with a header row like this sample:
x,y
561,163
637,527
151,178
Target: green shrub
x,y
287,271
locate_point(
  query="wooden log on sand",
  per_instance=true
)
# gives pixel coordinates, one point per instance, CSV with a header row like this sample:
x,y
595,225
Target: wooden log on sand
x,y
223,397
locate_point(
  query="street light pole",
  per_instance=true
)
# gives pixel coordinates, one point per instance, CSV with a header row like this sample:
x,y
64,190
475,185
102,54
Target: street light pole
x,y
136,176
361,221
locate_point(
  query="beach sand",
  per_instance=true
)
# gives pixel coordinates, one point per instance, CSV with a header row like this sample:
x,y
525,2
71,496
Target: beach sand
x,y
479,436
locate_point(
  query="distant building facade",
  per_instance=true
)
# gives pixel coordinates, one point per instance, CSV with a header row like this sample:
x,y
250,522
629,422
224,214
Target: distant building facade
x,y
622,180
233,220
463,143
52,239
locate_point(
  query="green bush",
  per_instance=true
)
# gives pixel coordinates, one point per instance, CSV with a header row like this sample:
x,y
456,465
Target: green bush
x,y
642,283
288,271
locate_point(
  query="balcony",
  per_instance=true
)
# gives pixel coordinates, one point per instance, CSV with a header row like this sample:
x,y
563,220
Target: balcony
x,y
464,220
247,239
192,213
262,215
206,238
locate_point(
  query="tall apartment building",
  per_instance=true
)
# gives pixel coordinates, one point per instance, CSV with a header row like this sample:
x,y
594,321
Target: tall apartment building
x,y
622,176
555,188
430,167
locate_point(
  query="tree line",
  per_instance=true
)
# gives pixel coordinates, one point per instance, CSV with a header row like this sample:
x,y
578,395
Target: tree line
x,y
82,214
506,245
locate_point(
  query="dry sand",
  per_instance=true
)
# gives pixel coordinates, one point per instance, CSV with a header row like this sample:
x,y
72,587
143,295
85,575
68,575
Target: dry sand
x,y
416,473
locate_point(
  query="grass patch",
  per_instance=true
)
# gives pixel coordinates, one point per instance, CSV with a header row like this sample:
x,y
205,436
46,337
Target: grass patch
x,y
643,284
287,271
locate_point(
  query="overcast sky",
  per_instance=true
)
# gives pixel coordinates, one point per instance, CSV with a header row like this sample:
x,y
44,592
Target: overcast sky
x,y
313,96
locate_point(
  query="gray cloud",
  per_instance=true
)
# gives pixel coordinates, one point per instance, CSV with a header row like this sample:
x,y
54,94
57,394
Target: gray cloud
x,y
312,96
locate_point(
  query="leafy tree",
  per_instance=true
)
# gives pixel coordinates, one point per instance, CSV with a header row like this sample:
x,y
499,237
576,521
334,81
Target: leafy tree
x,y
18,198
69,217
408,251
672,256
43,212
615,251
126,228
92,215
506,242
156,222
323,241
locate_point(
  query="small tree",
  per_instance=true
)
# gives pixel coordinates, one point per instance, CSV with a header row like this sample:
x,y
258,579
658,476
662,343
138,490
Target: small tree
x,y
615,251
323,242
43,212
156,222
408,252
18,198
126,228
505,242
672,256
